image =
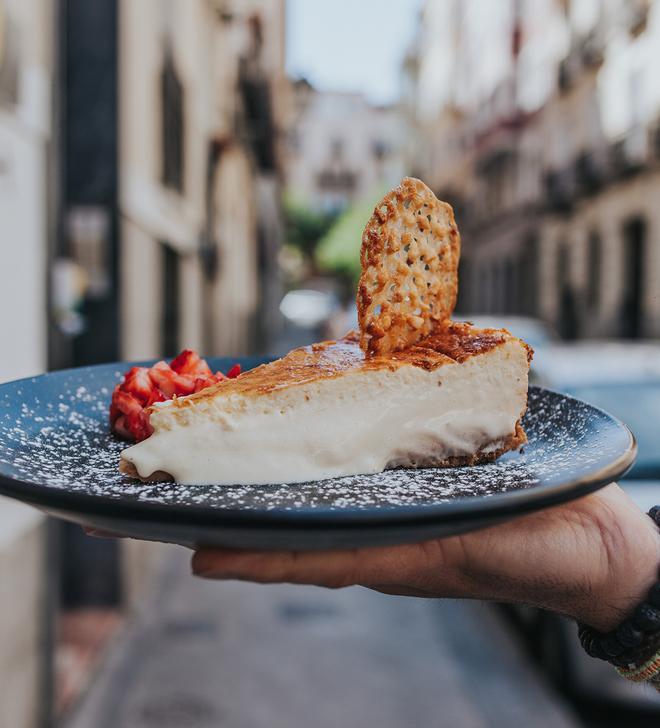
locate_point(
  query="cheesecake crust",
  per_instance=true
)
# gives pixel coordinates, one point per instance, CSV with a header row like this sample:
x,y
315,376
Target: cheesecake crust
x,y
484,455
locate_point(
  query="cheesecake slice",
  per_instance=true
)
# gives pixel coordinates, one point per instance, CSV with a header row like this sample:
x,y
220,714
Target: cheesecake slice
x,y
456,397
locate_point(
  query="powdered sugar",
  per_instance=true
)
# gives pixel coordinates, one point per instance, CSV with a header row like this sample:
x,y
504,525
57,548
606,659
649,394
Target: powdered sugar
x,y
54,432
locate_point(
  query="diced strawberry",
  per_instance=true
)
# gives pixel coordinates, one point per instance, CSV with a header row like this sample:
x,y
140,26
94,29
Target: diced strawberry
x,y
138,383
139,425
234,371
120,427
126,403
188,362
202,383
169,382
156,396
209,381
142,387
114,410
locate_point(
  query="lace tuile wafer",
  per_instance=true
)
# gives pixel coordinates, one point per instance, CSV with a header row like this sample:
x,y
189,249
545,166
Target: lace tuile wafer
x,y
409,282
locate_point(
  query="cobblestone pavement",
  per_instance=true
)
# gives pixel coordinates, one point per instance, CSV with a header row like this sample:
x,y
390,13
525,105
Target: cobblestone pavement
x,y
231,655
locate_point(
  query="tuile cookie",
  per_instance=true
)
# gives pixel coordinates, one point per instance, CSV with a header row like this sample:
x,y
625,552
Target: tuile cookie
x,y
409,282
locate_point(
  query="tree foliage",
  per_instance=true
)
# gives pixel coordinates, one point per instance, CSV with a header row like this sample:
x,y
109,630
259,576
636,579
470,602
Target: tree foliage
x,y
305,227
339,250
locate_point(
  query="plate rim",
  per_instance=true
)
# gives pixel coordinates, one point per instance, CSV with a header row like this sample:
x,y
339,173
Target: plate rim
x,y
465,508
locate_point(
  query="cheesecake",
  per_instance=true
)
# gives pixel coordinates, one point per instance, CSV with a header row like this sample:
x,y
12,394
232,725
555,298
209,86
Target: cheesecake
x,y
411,388
327,410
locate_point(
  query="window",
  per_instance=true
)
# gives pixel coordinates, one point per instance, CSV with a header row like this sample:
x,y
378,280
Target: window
x,y
465,272
594,270
173,131
380,149
510,293
483,290
568,323
170,296
343,181
529,284
634,235
337,148
562,271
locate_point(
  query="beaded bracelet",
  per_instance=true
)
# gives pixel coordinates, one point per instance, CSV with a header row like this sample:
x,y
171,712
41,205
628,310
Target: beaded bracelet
x,y
634,646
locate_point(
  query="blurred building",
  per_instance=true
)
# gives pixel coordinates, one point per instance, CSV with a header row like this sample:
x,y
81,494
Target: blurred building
x,y
200,107
170,163
26,52
341,148
166,222
140,183
540,121
168,157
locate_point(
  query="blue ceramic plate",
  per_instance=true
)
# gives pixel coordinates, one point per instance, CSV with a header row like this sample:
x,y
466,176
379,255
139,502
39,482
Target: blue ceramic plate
x,y
57,453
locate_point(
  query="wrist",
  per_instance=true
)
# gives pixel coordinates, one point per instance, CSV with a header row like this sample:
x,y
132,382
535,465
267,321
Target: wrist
x,y
629,565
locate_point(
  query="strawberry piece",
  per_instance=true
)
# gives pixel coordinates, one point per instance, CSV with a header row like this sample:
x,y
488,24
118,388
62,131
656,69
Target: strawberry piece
x,y
138,383
169,382
139,425
188,362
126,403
156,396
203,383
114,410
143,387
121,428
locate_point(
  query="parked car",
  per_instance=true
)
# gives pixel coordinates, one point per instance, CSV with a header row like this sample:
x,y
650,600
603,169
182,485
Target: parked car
x,y
622,378
308,308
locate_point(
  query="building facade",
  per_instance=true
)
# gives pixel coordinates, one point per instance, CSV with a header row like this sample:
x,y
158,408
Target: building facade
x,y
341,148
200,101
140,184
544,136
26,58
27,51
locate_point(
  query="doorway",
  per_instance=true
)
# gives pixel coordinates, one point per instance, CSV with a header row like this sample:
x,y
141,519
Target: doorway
x,y
634,237
171,298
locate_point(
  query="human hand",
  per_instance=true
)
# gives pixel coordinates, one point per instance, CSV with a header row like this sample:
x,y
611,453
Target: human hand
x,y
593,559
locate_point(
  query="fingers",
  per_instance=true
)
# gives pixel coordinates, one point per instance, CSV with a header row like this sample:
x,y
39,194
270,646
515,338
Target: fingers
x,y
383,568
412,570
330,568
100,533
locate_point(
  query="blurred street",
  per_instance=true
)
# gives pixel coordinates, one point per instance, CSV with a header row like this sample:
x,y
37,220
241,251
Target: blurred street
x,y
208,654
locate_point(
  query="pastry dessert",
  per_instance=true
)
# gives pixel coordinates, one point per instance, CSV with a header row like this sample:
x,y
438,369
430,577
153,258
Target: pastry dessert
x,y
410,389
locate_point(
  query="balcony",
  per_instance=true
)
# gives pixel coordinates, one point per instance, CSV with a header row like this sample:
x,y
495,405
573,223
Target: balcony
x,y
255,122
560,189
591,172
342,181
588,54
655,141
630,153
592,51
638,13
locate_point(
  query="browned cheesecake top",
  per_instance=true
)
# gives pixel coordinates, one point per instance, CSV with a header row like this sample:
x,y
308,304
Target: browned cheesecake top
x,y
450,343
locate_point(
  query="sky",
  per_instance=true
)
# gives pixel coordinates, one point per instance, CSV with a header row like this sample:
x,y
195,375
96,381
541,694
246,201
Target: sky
x,y
351,45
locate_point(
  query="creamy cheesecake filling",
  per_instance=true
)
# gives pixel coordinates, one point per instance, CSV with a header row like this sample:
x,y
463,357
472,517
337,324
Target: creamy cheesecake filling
x,y
360,422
